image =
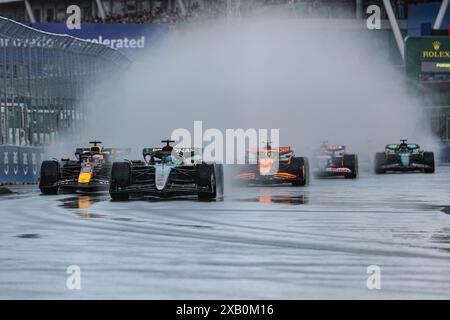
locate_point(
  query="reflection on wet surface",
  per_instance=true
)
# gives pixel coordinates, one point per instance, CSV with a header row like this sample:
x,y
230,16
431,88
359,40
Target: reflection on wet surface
x,y
168,198
267,195
82,201
123,219
29,236
195,226
90,215
442,236
126,220
260,242
300,199
175,198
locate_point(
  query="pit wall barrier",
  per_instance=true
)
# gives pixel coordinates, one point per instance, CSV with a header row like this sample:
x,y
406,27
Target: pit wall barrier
x,y
20,164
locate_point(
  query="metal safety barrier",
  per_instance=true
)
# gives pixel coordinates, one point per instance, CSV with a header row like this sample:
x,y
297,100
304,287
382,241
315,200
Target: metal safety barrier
x,y
46,82
46,85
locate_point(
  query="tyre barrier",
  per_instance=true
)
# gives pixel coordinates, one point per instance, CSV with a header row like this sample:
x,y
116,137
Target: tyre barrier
x,y
20,164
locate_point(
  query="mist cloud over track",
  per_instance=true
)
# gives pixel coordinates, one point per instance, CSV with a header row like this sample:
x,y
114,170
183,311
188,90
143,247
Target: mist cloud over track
x,y
313,82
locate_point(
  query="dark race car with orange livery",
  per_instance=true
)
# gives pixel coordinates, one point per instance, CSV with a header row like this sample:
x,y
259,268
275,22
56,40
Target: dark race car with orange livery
x,y
90,171
271,165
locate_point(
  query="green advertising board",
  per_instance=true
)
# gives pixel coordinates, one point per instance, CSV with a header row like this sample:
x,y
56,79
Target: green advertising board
x,y
427,56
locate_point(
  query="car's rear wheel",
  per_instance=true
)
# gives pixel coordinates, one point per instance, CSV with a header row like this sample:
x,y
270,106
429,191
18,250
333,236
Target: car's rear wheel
x,y
428,158
121,174
207,181
49,177
120,179
300,167
380,160
351,162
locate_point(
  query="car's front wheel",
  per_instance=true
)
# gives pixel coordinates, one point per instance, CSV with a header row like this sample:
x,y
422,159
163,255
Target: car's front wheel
x,y
300,167
210,181
380,160
351,162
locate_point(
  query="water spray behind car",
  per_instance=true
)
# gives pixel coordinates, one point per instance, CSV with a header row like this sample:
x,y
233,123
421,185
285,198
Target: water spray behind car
x,y
311,80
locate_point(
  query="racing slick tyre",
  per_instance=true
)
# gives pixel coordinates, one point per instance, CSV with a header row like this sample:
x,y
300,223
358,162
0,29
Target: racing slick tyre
x,y
300,167
220,180
210,181
120,178
351,162
428,159
380,160
49,177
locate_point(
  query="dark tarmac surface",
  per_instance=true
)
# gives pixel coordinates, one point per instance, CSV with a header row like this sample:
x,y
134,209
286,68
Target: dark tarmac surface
x,y
259,243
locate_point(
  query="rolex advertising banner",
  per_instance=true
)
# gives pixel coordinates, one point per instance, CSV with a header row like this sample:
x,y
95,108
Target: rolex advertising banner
x,y
427,55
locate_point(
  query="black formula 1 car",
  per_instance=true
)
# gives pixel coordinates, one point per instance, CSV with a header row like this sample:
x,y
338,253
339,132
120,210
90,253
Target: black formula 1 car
x,y
167,172
271,165
90,171
333,161
404,157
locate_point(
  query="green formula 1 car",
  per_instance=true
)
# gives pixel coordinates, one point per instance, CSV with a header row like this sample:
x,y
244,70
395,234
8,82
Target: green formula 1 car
x,y
404,157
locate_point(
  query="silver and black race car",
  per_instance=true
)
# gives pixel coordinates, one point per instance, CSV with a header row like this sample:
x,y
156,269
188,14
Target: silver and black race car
x,y
404,157
90,171
333,161
167,172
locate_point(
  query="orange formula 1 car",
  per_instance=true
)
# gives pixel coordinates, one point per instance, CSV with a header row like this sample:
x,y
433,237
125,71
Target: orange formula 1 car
x,y
273,166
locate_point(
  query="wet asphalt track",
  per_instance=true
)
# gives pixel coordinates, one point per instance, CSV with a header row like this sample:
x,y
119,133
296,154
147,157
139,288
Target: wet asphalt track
x,y
259,243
